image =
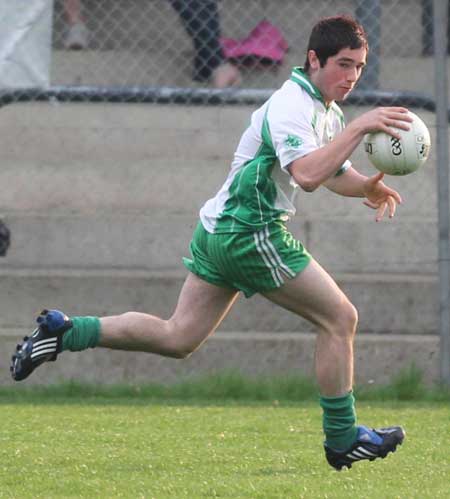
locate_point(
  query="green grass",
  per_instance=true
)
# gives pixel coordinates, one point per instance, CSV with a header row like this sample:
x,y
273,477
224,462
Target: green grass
x,y
235,450
224,436
408,385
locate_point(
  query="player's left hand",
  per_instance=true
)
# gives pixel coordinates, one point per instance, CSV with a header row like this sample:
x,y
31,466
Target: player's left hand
x,y
380,197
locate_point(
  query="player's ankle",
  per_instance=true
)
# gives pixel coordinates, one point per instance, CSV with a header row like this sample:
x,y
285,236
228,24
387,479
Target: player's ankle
x,y
84,334
339,420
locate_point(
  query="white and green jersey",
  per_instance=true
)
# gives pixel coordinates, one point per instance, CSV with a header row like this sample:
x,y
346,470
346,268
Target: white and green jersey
x,y
259,189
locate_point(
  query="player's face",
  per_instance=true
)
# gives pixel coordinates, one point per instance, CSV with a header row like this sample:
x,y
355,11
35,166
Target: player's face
x,y
340,73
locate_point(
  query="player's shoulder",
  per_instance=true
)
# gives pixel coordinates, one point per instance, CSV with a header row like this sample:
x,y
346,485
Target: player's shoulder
x,y
290,91
291,99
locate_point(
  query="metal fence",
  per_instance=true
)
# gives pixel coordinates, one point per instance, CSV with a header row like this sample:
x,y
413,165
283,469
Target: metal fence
x,y
172,50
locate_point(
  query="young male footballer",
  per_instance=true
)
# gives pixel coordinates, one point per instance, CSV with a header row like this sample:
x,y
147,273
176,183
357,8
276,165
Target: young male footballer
x,y
241,243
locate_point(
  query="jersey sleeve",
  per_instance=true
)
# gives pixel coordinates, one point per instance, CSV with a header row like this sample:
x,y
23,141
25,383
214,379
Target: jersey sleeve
x,y
290,118
291,129
347,164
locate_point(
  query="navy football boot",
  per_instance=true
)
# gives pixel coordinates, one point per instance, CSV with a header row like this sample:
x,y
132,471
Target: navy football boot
x,y
370,444
43,345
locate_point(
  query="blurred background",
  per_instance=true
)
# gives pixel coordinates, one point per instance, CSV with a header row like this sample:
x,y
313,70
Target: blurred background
x,y
182,43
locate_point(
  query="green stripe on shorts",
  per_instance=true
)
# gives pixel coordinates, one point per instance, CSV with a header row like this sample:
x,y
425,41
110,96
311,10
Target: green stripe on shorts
x,y
251,262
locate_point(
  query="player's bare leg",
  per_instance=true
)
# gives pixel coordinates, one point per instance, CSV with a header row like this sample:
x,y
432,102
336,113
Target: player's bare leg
x,y
201,308
314,295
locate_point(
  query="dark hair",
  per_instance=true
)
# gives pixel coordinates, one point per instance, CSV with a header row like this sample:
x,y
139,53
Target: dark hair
x,y
332,34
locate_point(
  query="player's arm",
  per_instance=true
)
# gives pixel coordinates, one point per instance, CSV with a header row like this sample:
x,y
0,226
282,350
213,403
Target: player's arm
x,y
378,195
349,184
315,168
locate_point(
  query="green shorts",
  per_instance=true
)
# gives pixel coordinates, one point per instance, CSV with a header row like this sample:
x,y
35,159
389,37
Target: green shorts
x,y
251,262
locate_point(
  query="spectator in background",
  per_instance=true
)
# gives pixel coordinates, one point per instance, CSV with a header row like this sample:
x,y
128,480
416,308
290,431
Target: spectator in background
x,y
77,36
200,18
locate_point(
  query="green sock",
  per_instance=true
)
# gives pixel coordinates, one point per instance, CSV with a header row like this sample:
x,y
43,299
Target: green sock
x,y
84,334
339,418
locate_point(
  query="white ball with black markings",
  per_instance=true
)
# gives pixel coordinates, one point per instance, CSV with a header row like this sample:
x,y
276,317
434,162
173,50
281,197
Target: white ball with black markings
x,y
399,156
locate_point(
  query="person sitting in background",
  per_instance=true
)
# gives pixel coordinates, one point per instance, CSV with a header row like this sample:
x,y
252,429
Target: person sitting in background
x,y
200,18
77,36
201,21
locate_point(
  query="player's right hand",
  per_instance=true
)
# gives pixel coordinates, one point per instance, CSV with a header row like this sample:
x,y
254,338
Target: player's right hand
x,y
384,119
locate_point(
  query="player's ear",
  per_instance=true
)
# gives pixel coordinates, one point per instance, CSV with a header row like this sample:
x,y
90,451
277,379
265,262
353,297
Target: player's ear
x,y
314,62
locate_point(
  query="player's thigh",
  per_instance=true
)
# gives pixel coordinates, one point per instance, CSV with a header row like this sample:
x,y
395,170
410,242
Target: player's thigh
x,y
201,306
314,295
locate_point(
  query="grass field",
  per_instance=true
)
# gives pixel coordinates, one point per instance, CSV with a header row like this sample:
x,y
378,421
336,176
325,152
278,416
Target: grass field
x,y
77,441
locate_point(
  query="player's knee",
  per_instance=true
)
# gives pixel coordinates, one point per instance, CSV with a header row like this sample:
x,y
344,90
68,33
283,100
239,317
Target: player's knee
x,y
181,354
350,318
346,320
182,350
180,344
179,347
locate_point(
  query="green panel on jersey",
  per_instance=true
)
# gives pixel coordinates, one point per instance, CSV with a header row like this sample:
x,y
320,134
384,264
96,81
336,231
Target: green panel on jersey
x,y
253,192
302,79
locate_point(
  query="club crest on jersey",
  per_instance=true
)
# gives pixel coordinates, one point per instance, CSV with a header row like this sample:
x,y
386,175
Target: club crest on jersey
x,y
293,142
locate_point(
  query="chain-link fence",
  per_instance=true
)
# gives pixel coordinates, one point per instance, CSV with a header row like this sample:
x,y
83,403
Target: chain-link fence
x,y
162,49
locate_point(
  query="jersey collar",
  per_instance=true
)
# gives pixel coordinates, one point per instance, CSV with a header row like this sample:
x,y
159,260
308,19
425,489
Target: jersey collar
x,y
302,79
